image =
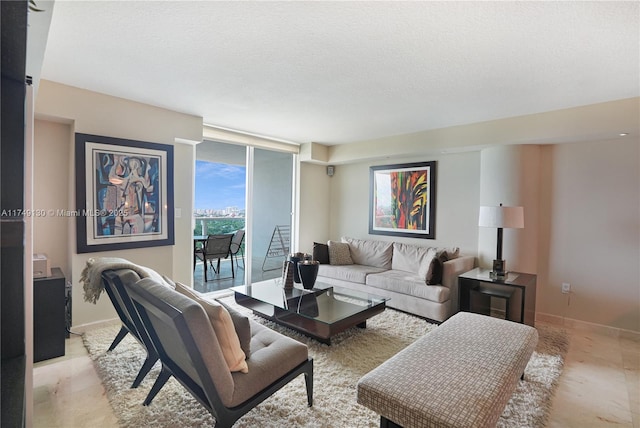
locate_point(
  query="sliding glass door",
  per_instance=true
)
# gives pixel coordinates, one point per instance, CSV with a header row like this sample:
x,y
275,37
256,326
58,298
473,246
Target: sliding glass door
x,y
242,187
270,211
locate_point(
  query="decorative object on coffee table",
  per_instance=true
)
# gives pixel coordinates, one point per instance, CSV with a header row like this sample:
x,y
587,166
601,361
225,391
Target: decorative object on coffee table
x,y
287,274
500,218
308,272
294,259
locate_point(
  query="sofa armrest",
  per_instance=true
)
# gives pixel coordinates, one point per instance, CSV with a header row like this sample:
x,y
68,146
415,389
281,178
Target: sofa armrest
x,y
451,270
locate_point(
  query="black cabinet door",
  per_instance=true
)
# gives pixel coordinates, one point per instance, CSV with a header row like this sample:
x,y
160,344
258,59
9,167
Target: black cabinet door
x,y
49,325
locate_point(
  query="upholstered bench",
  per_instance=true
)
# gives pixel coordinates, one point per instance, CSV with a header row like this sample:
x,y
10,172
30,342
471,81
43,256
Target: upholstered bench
x,y
461,374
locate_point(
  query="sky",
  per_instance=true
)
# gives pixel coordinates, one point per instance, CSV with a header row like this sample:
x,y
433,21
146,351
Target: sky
x,y
219,185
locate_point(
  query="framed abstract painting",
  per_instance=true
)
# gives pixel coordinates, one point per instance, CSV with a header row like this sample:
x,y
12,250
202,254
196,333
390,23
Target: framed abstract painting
x,y
402,200
124,194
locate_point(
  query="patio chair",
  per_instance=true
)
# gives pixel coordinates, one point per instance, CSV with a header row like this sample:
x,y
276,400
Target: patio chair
x,y
114,281
236,246
216,247
189,351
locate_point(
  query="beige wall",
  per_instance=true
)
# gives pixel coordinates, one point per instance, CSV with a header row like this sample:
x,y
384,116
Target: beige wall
x,y
52,175
510,175
457,198
315,200
591,229
583,209
588,213
94,113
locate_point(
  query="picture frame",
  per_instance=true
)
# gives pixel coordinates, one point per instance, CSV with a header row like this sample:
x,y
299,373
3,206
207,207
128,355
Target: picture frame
x,y
402,200
124,194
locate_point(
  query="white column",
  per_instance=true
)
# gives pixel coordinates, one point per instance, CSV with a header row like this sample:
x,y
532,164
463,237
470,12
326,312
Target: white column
x,y
510,175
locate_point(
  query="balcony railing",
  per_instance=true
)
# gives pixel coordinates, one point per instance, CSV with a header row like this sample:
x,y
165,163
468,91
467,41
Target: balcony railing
x,y
217,225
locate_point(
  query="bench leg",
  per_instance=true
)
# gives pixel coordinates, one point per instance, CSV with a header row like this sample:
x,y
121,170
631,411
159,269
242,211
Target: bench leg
x,y
386,423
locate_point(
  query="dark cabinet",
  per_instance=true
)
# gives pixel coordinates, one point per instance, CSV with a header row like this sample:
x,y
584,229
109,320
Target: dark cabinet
x,y
49,323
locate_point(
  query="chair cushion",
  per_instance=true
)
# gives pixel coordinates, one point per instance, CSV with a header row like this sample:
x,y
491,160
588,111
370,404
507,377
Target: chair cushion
x,y
223,327
273,355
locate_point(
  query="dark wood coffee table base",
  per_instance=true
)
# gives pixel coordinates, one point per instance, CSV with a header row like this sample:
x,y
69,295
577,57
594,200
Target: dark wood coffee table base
x,y
320,313
319,331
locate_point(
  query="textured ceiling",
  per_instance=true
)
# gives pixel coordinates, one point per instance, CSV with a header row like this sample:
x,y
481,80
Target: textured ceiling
x,y
338,72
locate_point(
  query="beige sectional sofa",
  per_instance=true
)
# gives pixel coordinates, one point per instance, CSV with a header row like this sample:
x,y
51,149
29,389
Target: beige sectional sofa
x,y
417,279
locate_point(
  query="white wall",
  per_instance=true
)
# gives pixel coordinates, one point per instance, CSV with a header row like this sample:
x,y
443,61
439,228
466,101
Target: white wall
x,y
457,199
94,113
591,230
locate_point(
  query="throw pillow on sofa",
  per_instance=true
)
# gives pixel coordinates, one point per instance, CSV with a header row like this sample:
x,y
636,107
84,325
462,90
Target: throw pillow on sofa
x,y
436,269
370,253
412,258
321,253
339,253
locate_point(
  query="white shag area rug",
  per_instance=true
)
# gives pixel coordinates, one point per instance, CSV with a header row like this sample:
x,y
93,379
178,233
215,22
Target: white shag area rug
x,y
337,368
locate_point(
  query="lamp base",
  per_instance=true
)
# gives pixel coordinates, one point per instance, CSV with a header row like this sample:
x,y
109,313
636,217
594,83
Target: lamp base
x,y
498,271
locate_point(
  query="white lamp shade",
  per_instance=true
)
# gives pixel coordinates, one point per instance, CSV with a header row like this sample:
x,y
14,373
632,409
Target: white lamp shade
x,y
504,217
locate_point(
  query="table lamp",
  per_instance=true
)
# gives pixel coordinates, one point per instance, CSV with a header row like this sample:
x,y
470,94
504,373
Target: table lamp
x,y
501,218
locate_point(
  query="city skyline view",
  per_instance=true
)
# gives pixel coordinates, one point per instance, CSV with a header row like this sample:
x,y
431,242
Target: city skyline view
x,y
219,187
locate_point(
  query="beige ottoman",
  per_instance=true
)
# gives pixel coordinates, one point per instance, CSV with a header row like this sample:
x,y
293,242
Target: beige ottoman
x,y
462,374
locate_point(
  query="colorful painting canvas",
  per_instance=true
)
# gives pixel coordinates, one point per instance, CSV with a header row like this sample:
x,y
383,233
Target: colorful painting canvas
x,y
402,200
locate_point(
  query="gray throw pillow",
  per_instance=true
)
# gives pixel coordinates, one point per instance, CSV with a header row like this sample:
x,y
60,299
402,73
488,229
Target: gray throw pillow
x,y
242,326
436,269
321,253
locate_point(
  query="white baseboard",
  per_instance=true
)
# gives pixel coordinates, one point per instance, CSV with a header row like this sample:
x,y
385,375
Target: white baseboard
x,y
588,326
81,328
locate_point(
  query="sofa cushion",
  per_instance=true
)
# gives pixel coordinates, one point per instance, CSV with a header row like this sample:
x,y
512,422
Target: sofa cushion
x,y
406,283
370,253
321,253
412,258
352,273
223,327
339,253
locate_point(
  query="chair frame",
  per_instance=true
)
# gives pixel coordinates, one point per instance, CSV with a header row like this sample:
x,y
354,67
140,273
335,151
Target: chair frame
x,y
240,248
113,285
149,305
206,256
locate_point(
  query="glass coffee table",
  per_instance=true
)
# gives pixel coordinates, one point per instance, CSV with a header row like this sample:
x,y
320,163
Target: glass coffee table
x,y
320,313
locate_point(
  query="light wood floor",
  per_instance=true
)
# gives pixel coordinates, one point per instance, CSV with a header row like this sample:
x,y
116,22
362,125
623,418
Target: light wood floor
x,y
599,386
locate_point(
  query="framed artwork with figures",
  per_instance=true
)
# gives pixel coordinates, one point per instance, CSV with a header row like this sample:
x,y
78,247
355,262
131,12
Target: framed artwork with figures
x,y
124,193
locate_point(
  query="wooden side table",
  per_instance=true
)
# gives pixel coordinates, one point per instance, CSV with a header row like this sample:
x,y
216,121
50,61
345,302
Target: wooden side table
x,y
517,289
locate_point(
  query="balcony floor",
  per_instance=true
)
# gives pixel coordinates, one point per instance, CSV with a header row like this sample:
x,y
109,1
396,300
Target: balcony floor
x,y
222,281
